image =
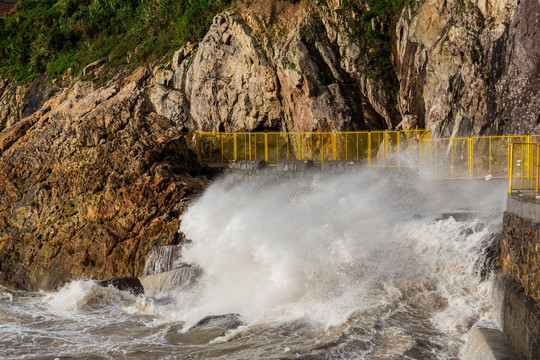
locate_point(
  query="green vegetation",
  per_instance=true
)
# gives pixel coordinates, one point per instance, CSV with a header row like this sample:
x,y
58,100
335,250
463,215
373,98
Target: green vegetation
x,y
54,35
371,22
377,39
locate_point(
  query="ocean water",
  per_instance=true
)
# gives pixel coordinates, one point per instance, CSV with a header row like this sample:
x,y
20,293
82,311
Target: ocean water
x,y
371,264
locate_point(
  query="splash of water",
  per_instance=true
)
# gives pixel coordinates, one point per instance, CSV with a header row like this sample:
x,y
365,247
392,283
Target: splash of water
x,y
325,247
360,265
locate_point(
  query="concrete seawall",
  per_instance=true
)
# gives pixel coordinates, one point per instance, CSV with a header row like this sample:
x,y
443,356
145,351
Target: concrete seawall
x,y
516,290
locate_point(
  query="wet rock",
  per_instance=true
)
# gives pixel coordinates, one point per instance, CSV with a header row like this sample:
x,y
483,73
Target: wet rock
x,y
229,321
205,330
297,166
248,166
162,258
183,277
490,259
341,166
129,284
458,216
89,184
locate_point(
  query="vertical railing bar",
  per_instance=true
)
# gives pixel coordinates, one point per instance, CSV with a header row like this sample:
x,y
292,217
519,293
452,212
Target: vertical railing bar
x,y
369,149
490,145
299,147
347,147
470,155
221,138
383,148
399,150
210,160
452,151
436,156
266,147
287,137
311,147
521,169
357,148
335,146
537,165
511,169
234,144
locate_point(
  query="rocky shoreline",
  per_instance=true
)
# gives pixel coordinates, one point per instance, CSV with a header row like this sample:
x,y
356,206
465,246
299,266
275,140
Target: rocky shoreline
x,y
96,170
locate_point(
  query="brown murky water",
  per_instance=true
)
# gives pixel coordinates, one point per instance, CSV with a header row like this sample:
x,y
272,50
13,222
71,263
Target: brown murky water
x,y
349,267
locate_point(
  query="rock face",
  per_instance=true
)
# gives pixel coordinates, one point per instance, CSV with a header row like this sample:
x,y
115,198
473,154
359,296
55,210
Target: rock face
x,y
240,78
460,69
19,101
90,183
470,67
95,175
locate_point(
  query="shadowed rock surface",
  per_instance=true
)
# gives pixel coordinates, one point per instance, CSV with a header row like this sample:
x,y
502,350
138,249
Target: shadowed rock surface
x,y
129,284
90,183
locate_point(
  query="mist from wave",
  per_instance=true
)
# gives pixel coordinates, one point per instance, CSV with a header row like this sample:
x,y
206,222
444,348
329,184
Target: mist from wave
x,y
356,265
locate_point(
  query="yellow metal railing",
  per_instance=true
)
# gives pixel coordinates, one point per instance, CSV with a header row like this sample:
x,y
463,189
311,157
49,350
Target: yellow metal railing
x,y
477,157
524,168
377,148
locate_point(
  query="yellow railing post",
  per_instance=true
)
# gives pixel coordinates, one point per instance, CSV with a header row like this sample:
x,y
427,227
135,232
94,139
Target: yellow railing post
x,y
369,149
470,157
266,147
311,147
357,147
299,146
346,147
384,136
277,148
537,165
490,172
249,146
398,150
511,168
322,146
234,150
452,151
510,150
335,146
210,157
287,137
221,137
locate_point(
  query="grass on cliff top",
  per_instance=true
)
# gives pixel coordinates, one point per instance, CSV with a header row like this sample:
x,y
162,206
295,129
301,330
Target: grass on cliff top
x,y
54,35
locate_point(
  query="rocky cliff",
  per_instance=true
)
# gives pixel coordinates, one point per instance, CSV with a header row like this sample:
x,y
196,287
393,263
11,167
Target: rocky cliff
x,y
90,183
96,171
457,68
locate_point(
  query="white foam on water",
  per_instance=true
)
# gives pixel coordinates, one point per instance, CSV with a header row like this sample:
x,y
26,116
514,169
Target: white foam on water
x,y
79,295
357,265
324,247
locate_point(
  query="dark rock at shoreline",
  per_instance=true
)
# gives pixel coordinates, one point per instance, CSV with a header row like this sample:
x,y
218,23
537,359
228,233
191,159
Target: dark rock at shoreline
x,y
129,284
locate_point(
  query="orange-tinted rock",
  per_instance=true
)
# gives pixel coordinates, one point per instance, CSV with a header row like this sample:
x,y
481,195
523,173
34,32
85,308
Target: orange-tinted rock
x,y
88,186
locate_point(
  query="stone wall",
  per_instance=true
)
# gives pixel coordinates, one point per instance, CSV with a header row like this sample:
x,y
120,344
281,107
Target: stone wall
x,y
516,292
518,316
520,252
